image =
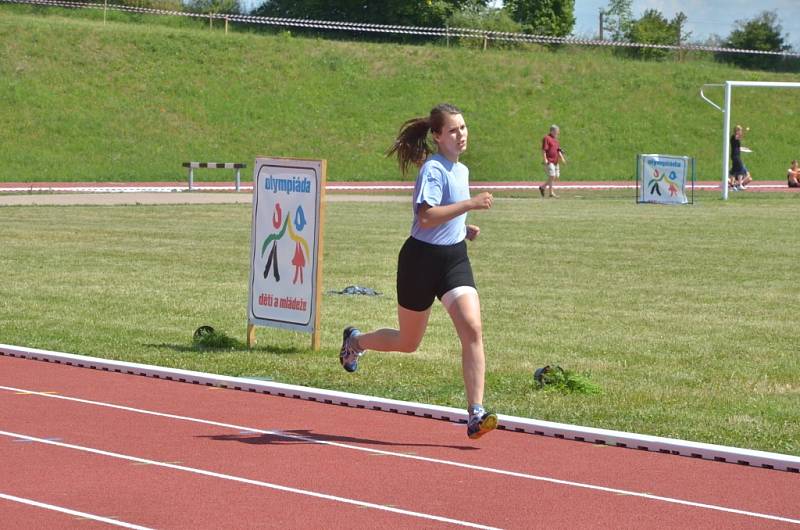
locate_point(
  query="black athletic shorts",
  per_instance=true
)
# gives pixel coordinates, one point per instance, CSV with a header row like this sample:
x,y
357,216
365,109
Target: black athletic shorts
x,y
426,271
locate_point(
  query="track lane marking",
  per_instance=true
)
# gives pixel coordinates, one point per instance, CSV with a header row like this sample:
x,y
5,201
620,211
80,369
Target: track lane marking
x,y
540,478
68,511
251,482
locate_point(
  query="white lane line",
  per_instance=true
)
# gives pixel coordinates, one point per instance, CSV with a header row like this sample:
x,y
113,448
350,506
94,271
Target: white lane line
x,y
68,511
239,428
248,481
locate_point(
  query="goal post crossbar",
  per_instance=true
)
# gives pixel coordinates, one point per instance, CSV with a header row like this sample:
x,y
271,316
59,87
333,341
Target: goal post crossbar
x,y
726,111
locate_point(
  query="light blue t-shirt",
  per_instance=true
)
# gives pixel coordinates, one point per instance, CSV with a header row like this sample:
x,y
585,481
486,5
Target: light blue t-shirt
x,y
441,182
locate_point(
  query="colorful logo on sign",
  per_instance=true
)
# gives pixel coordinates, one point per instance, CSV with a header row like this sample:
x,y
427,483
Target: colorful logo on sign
x,y
283,227
670,180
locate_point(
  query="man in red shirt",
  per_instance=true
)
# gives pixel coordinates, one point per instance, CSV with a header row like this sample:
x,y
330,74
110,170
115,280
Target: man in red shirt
x,y
552,153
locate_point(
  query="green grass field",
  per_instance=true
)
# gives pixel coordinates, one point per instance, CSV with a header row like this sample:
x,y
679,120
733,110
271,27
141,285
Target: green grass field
x,y
685,317
134,98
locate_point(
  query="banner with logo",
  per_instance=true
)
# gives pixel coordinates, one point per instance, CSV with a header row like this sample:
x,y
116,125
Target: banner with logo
x,y
663,178
286,244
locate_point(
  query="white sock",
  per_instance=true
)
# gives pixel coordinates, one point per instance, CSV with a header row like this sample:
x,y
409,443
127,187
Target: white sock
x,y
476,409
352,341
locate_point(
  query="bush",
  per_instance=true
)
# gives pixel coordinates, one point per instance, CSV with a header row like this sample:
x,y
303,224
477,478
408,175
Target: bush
x,y
482,18
230,7
543,17
654,28
762,33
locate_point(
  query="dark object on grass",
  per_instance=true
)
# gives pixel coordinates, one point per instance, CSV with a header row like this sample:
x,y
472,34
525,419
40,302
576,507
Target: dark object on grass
x,y
206,338
355,289
566,381
545,374
203,331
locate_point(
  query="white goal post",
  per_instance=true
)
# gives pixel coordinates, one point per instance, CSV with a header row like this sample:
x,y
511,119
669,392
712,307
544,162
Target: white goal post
x,y
726,119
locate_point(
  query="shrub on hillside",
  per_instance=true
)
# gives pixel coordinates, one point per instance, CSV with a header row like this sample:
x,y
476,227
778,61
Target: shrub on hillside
x,y
555,18
167,5
476,16
230,7
762,33
654,28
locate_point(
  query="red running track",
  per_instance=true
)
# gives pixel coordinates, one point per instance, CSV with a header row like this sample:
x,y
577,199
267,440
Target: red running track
x,y
150,453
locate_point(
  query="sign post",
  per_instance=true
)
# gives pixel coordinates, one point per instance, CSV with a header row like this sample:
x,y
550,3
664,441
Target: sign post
x,y
286,246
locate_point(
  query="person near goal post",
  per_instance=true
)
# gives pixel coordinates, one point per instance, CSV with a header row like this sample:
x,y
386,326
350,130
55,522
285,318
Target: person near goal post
x,y
738,176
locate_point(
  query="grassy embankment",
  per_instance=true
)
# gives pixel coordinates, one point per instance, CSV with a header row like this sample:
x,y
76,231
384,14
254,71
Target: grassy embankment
x,y
133,98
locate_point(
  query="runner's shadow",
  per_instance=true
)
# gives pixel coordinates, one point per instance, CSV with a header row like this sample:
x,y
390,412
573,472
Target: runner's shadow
x,y
305,436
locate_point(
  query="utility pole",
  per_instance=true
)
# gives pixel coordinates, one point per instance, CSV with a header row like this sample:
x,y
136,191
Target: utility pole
x,y
601,23
680,19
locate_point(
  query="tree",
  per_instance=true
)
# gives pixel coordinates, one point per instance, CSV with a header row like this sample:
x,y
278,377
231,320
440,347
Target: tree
x,y
396,12
214,6
618,17
476,16
654,28
544,17
169,5
761,33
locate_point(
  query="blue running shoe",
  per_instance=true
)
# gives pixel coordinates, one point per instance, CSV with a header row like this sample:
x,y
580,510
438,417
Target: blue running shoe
x,y
480,424
349,355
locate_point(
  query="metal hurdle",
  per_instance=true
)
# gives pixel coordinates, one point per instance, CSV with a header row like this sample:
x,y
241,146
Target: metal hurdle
x,y
214,165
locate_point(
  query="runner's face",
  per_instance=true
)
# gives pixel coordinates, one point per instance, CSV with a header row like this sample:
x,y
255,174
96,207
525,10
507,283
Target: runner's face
x,y
452,139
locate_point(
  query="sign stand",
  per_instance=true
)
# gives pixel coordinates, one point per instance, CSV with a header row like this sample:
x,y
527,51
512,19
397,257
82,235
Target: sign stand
x,y
251,335
286,246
